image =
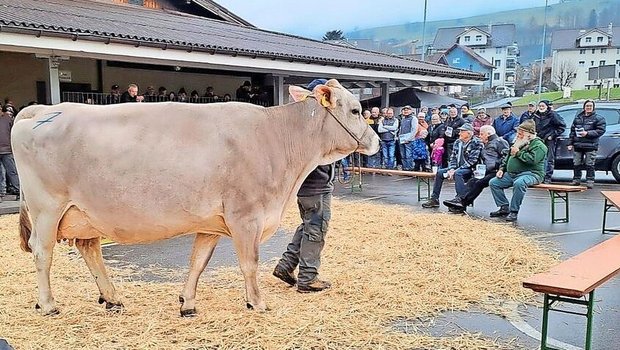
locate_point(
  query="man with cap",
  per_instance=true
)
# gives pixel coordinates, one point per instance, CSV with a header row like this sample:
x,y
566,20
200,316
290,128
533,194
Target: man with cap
x,y
465,155
529,114
314,201
452,123
114,96
506,124
549,125
521,168
406,134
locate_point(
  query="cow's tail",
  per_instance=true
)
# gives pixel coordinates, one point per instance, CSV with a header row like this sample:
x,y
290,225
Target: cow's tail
x,y
25,225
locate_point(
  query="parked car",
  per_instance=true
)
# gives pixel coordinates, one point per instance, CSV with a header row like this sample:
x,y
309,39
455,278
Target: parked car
x,y
504,91
608,157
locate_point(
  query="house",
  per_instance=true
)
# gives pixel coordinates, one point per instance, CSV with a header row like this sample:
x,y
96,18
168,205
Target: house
x,y
575,51
496,44
464,57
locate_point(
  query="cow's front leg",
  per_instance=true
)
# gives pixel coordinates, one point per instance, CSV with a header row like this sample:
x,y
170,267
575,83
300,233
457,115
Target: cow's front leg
x,y
91,252
246,239
42,244
204,245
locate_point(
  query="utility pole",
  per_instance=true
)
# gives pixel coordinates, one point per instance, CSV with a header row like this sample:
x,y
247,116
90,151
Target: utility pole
x,y
542,51
424,32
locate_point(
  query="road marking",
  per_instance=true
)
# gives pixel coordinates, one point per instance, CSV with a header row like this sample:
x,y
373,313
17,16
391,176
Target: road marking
x,y
548,235
515,319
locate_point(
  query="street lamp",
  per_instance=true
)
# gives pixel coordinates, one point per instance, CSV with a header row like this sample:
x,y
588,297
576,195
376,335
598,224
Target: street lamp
x,y
424,32
542,51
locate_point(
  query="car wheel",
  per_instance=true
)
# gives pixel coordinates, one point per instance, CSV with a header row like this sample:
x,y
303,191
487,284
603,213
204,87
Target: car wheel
x,y
615,168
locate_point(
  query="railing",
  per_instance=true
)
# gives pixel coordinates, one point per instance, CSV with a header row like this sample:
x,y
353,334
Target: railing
x,y
96,98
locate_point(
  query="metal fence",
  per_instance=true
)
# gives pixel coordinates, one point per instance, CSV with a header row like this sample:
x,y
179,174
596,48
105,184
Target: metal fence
x,y
96,98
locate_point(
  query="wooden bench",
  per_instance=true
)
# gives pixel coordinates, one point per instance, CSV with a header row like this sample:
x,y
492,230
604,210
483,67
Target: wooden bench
x,y
422,177
612,205
573,279
559,194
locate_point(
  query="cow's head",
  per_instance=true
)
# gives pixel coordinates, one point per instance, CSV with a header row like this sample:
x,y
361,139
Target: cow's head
x,y
345,117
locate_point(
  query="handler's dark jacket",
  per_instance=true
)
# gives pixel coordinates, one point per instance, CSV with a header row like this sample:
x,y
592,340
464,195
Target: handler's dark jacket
x,y
319,181
594,124
549,124
493,152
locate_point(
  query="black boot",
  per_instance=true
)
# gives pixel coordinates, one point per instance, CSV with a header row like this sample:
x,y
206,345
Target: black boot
x,y
512,216
503,211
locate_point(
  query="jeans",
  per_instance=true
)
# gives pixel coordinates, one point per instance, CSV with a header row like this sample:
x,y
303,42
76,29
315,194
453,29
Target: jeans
x,y
550,160
475,187
309,238
584,159
460,177
389,157
374,161
519,183
10,174
406,153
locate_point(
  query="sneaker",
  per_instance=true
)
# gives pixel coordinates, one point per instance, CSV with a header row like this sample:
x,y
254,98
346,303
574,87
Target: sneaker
x,y
503,211
546,181
431,203
590,184
512,216
284,275
455,210
316,285
575,182
455,203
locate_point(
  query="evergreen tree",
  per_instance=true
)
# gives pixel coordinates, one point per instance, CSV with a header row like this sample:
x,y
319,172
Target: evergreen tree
x,y
333,35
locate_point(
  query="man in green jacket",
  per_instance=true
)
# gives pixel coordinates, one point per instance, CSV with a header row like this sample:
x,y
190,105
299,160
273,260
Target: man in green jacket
x,y
523,167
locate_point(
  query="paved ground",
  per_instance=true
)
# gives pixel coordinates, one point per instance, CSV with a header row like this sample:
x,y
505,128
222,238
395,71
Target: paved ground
x,y
582,232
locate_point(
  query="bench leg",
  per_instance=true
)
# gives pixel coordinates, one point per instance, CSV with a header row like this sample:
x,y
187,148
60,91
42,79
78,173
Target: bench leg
x,y
609,208
558,198
545,322
589,324
427,182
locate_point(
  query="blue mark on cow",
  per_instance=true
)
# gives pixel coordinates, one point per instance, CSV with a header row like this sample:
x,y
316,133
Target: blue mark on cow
x,y
50,117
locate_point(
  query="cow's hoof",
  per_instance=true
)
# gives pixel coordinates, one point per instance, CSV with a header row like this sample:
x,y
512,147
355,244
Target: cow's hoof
x,y
52,312
189,313
181,299
114,307
257,308
101,300
249,306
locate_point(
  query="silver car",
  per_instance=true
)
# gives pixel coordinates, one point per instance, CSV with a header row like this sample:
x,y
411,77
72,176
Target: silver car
x,y
608,157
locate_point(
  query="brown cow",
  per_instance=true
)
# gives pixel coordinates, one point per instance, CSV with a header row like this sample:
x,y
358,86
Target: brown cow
x,y
145,172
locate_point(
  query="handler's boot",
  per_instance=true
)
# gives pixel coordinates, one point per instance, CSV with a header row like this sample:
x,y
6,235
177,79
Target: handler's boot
x,y
503,211
316,285
284,275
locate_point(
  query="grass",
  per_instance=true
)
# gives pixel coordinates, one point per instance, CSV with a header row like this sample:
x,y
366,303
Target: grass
x,y
576,95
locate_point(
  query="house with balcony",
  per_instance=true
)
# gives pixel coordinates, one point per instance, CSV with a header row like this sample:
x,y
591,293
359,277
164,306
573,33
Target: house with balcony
x,y
575,51
496,44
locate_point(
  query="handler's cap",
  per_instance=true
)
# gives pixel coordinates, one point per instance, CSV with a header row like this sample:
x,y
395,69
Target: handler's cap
x,y
532,103
407,107
316,82
114,87
466,127
505,105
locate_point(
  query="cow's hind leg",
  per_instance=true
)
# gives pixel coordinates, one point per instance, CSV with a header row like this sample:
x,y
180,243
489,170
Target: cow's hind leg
x,y
42,243
246,239
204,244
91,252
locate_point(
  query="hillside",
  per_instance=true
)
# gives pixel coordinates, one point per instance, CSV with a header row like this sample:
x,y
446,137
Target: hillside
x,y
566,15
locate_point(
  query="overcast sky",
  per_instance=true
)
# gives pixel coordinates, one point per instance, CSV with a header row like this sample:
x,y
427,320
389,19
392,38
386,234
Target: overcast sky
x,y
314,18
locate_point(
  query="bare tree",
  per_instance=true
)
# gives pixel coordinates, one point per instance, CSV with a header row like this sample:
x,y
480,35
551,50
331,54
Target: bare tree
x,y
564,73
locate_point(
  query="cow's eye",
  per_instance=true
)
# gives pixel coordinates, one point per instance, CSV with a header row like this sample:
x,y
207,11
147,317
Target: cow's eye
x,y
355,111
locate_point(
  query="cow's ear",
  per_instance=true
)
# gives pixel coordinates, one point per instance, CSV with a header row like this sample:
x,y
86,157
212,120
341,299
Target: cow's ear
x,y
325,95
298,93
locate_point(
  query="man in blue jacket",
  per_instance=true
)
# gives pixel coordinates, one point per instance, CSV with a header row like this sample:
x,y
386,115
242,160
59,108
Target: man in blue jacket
x,y
506,124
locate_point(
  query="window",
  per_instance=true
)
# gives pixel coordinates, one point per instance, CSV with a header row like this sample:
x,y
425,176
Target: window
x,y
592,63
582,51
483,50
617,62
601,63
498,50
588,39
593,51
478,37
456,60
467,38
603,50
495,76
582,63
599,39
498,63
